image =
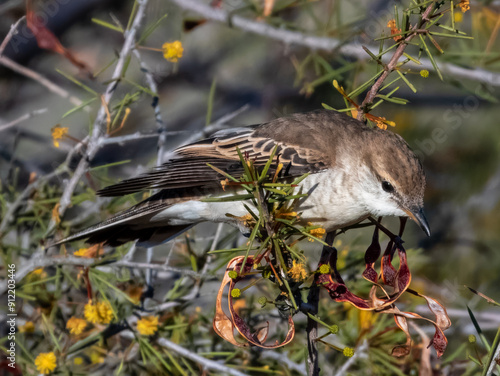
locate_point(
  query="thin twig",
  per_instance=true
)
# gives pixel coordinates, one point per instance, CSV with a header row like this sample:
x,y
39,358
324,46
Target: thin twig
x,y
353,50
389,68
218,125
10,34
33,186
5,61
22,118
99,128
358,353
40,260
207,364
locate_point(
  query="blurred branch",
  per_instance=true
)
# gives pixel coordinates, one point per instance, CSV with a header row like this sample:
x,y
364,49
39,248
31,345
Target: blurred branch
x,y
10,34
360,352
12,208
99,127
22,118
5,61
354,50
284,359
204,362
206,131
40,260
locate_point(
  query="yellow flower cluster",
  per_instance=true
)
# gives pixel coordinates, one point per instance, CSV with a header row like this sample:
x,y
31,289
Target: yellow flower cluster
x,y
464,5
46,362
348,352
394,30
57,134
147,326
29,327
173,51
99,313
76,325
424,73
297,271
317,232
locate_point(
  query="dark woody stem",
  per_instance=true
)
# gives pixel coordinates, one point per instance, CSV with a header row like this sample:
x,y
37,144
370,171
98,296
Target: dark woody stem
x,y
391,66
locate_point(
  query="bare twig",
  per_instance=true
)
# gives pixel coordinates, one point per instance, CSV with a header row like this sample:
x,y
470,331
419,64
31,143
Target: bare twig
x,y
358,353
218,125
99,128
494,361
389,68
40,260
5,61
22,118
353,50
37,183
10,34
207,364
284,359
30,73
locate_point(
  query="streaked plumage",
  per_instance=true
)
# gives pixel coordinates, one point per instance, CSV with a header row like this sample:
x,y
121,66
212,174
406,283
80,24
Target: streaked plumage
x,y
356,171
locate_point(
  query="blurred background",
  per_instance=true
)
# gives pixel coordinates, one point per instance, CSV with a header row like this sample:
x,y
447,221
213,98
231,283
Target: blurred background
x,y
453,124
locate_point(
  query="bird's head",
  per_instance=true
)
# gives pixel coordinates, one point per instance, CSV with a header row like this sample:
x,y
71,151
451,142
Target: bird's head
x,y
394,181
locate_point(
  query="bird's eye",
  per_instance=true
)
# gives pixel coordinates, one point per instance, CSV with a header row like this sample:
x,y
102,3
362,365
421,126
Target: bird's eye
x,y
386,186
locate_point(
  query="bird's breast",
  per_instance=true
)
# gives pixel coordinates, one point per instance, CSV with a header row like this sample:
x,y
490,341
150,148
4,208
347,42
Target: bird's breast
x,y
331,201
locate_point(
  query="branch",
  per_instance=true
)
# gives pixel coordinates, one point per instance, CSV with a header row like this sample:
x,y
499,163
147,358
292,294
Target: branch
x,y
206,131
100,121
312,302
354,50
389,68
359,352
22,118
10,34
31,187
40,260
204,362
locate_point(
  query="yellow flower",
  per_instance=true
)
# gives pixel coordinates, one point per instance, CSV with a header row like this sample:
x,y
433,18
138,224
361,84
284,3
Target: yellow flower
x,y
147,326
366,319
99,313
348,352
46,362
424,73
78,361
324,269
394,30
464,5
55,214
317,232
29,327
173,51
76,325
297,271
235,293
95,357
458,17
37,274
57,134
472,338
90,252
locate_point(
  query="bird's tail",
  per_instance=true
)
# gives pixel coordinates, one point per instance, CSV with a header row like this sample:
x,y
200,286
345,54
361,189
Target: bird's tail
x,y
129,225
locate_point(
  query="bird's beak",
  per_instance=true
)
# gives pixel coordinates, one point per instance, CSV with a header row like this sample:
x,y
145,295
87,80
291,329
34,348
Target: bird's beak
x,y
418,216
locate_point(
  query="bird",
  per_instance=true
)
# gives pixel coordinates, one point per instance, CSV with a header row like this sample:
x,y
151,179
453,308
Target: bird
x,y
355,171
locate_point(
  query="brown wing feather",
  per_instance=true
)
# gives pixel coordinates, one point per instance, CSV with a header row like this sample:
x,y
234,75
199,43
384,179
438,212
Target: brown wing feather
x,y
189,166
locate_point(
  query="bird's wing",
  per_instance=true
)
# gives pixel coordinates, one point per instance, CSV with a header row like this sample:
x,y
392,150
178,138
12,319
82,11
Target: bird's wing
x,y
189,169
